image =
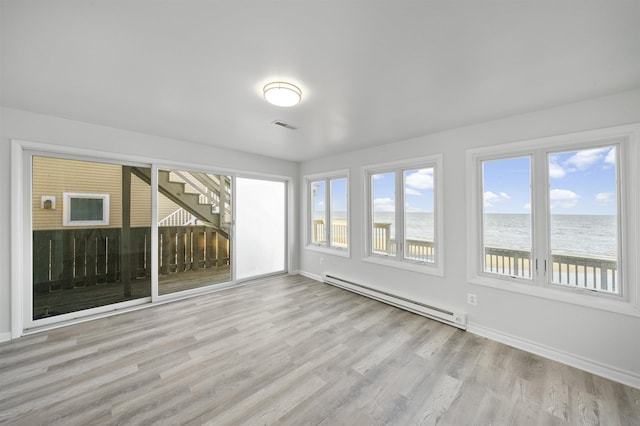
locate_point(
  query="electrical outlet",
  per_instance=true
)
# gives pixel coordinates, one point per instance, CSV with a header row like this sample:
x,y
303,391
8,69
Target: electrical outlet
x,y
322,260
471,299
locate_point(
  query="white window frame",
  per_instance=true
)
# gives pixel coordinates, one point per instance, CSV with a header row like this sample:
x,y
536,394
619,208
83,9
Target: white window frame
x,y
66,208
433,161
625,138
327,247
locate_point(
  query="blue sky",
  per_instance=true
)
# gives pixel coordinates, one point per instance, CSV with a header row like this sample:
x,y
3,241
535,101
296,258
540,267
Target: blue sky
x,y
418,189
581,182
418,192
338,195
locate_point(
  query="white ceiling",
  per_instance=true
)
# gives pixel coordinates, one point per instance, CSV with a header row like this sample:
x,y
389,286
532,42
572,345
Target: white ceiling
x,y
371,72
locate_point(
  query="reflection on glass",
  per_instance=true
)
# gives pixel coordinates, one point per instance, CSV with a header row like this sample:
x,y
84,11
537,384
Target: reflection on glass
x,y
194,214
91,227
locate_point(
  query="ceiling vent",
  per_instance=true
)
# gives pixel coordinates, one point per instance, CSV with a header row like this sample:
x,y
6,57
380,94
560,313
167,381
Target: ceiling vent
x,y
285,125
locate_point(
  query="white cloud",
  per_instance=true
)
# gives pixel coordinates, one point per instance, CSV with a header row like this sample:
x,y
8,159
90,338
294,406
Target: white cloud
x,y
563,198
610,159
384,205
491,198
527,206
321,204
555,170
605,197
411,191
420,179
582,160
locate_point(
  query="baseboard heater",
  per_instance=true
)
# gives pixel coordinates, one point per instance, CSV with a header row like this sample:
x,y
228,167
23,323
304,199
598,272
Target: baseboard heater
x,y
455,319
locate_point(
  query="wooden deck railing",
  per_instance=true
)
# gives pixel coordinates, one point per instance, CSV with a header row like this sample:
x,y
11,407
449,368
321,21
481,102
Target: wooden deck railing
x,y
180,217
580,271
381,239
339,232
68,258
586,272
183,248
421,250
418,250
516,263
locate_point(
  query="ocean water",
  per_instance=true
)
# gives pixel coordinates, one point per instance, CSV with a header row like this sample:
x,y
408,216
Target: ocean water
x,y
419,225
592,235
570,234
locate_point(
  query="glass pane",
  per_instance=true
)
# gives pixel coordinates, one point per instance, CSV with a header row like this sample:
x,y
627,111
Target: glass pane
x,y
86,209
383,232
418,215
339,218
318,212
194,214
506,220
583,202
261,227
78,266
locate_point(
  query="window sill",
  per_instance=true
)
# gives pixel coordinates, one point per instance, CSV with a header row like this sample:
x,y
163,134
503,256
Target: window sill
x,y
576,297
336,251
423,268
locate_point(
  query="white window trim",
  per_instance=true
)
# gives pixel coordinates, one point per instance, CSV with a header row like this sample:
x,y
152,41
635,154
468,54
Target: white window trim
x,y
326,248
434,161
628,136
66,209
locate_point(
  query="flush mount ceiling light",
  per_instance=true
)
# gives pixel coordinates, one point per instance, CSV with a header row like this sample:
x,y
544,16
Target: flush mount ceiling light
x,y
282,94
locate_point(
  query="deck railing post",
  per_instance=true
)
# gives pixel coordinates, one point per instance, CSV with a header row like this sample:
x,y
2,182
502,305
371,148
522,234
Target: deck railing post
x,y
318,231
603,278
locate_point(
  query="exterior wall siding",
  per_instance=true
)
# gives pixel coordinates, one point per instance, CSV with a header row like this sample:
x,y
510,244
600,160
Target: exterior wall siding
x,y
54,176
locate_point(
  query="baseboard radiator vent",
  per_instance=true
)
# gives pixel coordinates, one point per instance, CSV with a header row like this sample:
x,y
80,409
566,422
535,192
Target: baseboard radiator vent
x,y
455,319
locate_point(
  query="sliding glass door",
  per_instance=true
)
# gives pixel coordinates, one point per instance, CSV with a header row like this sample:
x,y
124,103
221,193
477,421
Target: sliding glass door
x,y
91,235
93,246
194,241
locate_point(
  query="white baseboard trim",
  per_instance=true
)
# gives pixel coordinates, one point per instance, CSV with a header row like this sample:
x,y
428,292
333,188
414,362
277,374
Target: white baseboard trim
x,y
628,378
312,276
5,337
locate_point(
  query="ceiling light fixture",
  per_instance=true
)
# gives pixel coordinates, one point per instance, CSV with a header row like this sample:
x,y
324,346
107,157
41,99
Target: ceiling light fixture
x,y
282,94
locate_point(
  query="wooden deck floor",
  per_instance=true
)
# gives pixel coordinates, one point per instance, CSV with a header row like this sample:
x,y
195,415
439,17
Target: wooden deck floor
x,y
291,351
80,298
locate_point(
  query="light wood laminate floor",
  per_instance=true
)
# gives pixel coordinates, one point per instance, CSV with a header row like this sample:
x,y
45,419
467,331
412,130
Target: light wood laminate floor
x,y
291,351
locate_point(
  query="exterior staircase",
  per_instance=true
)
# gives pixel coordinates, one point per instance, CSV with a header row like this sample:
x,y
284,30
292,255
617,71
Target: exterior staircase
x,y
205,205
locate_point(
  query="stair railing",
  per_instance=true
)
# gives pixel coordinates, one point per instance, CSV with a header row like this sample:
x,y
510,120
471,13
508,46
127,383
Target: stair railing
x,y
180,217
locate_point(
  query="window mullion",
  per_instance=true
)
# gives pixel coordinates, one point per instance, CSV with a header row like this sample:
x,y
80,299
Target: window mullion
x,y
327,212
539,217
399,200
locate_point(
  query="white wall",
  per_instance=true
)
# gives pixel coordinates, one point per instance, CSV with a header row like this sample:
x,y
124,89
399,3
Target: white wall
x,y
603,342
27,126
